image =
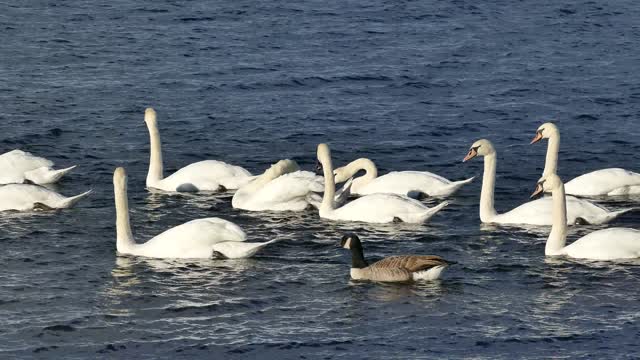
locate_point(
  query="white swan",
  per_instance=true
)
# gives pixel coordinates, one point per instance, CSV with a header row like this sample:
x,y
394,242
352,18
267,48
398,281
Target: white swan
x,y
374,208
206,175
409,183
201,238
607,244
17,166
26,197
282,187
537,212
611,181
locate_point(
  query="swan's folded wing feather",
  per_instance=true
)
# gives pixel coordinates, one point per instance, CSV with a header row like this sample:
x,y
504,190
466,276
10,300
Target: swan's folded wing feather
x,y
288,187
16,162
601,182
198,233
607,244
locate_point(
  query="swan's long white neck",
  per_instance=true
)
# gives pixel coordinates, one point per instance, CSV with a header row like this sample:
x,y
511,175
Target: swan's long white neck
x,y
487,207
371,172
558,236
329,185
551,161
155,173
124,241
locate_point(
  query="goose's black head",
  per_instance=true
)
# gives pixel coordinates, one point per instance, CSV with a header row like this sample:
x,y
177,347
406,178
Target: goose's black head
x,y
350,241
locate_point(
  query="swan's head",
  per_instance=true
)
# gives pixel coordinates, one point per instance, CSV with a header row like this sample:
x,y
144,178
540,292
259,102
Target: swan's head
x,y
324,154
350,241
545,131
341,174
120,178
482,147
150,117
550,182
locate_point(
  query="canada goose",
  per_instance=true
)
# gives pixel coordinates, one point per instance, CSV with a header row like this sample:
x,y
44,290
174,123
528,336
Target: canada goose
x,y
394,268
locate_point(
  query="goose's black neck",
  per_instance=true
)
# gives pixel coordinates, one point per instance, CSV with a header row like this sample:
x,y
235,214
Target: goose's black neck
x,y
357,256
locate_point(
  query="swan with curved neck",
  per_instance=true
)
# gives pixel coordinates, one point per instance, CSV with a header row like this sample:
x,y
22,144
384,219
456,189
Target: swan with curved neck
x,y
206,175
201,238
374,208
409,183
18,167
27,197
607,244
537,212
611,181
282,187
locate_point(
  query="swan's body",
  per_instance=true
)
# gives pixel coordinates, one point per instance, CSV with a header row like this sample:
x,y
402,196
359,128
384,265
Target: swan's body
x,y
375,208
604,182
193,239
26,197
537,212
408,183
607,244
17,167
207,175
282,187
394,268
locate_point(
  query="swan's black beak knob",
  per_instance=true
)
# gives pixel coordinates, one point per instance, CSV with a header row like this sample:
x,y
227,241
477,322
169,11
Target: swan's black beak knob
x,y
319,169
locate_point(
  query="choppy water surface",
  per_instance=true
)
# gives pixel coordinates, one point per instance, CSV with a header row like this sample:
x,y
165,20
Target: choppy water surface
x,y
410,84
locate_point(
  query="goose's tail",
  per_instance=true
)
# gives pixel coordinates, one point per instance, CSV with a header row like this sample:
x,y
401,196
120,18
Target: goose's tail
x,y
451,188
71,201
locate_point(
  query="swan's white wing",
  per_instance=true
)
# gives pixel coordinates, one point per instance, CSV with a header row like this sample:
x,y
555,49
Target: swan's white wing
x,y
404,182
22,197
206,175
15,163
240,250
607,244
286,192
383,208
193,239
603,182
538,212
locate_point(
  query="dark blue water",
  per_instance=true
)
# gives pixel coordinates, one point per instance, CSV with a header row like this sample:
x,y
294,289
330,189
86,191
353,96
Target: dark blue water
x,y
410,84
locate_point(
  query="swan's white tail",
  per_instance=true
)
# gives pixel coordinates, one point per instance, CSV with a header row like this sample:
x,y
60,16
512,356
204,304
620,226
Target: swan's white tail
x,y
450,189
609,216
429,213
45,175
70,201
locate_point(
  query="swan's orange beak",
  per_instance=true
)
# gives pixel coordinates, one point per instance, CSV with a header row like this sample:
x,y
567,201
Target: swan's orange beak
x,y
537,138
472,153
538,190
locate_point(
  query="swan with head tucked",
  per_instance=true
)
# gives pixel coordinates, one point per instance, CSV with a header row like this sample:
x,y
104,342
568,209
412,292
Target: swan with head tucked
x,y
537,212
283,187
409,183
400,268
26,197
611,181
607,244
17,167
206,175
201,238
374,208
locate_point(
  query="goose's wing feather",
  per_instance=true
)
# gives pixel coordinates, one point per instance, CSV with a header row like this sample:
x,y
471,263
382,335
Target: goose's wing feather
x,y
412,263
602,182
607,244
